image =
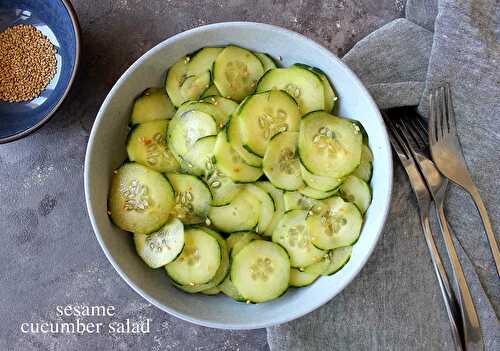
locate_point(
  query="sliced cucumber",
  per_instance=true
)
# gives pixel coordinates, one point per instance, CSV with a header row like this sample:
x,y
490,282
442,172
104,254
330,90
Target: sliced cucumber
x,y
192,198
238,241
266,60
293,234
236,72
199,260
281,162
190,77
223,189
338,224
219,115
264,115
186,128
316,194
140,199
279,205
234,138
328,145
222,271
364,170
357,191
330,97
320,183
267,207
153,104
227,106
261,271
203,60
331,263
299,278
211,91
197,159
227,287
211,291
338,259
303,85
161,247
241,214
147,145
296,201
231,163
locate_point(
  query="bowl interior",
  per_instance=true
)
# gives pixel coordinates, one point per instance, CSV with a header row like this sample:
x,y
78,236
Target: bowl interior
x,y
53,19
106,151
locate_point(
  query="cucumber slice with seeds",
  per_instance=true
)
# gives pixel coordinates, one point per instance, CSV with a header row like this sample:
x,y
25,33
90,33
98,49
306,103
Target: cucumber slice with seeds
x,y
196,160
299,278
140,199
304,86
266,206
266,60
281,163
264,115
186,128
153,104
161,247
338,224
199,260
328,145
356,191
279,205
223,189
320,183
297,201
236,72
293,234
231,163
192,198
147,145
261,271
241,214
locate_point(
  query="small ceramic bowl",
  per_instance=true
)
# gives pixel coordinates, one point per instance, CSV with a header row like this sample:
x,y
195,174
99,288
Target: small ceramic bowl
x,y
106,151
58,21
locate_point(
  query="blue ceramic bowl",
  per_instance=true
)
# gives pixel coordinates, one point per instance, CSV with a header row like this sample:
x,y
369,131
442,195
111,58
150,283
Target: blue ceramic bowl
x,y
57,20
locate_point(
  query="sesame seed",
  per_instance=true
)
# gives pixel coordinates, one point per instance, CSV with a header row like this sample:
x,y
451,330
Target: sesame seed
x,y
27,63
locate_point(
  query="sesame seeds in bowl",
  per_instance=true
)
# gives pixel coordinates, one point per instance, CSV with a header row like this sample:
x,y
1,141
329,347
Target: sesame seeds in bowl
x,y
49,29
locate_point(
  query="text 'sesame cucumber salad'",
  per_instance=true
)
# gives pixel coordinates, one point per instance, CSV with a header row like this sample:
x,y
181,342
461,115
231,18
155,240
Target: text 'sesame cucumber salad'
x,y
239,178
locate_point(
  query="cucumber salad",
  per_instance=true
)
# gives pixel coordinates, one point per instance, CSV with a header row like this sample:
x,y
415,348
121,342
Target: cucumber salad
x,y
239,178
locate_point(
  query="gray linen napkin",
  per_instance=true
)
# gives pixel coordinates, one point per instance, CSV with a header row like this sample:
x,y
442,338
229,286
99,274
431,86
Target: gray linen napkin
x,y
395,304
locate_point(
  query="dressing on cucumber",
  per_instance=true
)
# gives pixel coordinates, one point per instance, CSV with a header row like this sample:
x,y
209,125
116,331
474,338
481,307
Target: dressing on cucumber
x,y
147,145
251,151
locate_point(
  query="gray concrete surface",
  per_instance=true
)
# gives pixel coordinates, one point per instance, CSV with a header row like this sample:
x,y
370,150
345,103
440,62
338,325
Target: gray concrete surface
x,y
48,253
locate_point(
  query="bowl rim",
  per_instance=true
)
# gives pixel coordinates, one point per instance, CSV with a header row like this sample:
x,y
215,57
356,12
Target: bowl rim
x,y
76,27
206,322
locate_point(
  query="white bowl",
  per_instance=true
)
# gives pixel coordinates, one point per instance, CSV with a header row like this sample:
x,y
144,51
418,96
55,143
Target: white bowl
x,y
106,151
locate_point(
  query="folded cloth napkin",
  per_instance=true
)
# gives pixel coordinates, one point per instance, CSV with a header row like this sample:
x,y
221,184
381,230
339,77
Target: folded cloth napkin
x,y
395,303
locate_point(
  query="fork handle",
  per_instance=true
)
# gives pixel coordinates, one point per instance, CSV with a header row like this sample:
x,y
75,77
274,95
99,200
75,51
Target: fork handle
x,y
450,302
487,227
471,329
